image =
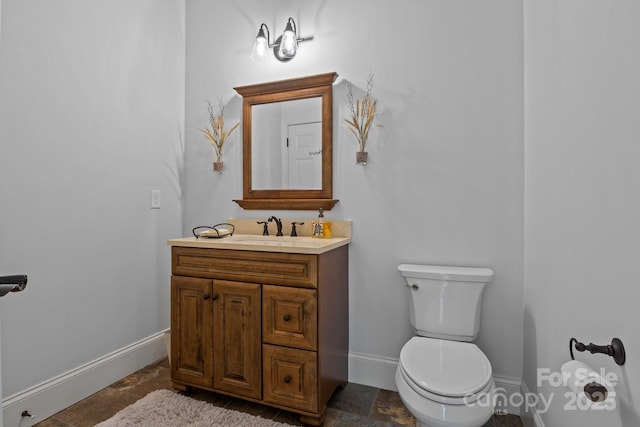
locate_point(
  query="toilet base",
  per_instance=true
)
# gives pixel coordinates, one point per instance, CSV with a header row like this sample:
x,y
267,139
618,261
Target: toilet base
x,y
429,413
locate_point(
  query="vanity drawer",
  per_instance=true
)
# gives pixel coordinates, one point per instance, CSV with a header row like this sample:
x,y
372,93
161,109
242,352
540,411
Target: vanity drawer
x,y
247,266
289,317
289,377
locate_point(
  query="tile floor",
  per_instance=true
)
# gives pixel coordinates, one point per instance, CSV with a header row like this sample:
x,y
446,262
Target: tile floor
x,y
356,405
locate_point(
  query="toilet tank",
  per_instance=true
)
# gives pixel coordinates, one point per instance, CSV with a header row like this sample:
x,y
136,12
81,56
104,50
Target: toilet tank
x,y
445,301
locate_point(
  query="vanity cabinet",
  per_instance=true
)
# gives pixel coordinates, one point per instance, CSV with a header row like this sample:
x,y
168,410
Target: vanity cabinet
x,y
192,330
205,312
269,327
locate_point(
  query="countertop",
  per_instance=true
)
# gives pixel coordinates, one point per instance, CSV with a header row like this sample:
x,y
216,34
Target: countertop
x,y
253,242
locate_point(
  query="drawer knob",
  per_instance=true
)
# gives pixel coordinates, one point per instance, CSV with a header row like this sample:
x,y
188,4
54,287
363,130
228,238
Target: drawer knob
x,y
286,317
205,296
287,379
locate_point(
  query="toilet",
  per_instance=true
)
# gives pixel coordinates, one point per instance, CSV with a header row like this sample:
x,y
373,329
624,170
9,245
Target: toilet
x,y
444,379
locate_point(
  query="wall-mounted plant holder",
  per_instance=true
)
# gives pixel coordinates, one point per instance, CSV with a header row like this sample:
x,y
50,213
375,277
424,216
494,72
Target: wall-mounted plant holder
x,y
362,157
217,135
361,119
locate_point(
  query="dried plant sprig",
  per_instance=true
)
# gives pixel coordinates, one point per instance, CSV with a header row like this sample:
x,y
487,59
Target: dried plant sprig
x,y
363,113
217,135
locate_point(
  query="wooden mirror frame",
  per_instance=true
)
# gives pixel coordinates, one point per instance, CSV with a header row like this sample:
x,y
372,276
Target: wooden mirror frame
x,y
320,85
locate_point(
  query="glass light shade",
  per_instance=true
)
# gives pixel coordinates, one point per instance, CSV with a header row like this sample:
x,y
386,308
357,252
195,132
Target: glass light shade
x,y
260,47
289,42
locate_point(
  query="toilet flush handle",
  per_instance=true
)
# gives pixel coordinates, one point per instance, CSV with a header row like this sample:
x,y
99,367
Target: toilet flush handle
x,y
413,286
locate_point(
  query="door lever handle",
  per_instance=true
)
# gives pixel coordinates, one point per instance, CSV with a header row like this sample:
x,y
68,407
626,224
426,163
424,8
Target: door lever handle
x,y
14,283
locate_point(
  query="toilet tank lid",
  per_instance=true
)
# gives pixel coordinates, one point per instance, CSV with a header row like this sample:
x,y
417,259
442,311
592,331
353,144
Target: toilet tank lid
x,y
463,274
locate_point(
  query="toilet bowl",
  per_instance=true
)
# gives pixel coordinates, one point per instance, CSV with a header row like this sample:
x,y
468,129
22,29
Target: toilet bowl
x,y
445,383
443,379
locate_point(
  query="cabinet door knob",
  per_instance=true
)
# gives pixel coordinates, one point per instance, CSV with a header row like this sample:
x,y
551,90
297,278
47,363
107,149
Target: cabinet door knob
x,y
286,317
215,297
287,379
205,296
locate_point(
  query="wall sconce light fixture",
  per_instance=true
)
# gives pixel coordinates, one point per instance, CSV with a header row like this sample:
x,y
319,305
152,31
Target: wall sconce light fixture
x,y
284,47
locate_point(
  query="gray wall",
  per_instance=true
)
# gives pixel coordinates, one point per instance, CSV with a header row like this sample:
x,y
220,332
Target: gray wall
x,y
91,119
444,181
581,197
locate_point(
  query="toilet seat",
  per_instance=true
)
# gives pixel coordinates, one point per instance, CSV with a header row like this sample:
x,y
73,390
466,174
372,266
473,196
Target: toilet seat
x,y
449,372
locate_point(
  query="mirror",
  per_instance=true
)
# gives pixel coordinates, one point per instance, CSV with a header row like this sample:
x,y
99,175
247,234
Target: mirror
x,y
286,145
287,128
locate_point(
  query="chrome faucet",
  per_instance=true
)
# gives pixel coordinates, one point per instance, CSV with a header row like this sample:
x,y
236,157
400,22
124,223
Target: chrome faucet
x,y
278,224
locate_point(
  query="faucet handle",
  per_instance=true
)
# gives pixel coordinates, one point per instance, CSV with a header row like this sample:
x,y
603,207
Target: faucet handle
x,y
265,228
294,232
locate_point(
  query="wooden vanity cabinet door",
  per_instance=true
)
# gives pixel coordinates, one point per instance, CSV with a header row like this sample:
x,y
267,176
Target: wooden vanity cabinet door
x,y
290,377
191,330
237,352
290,317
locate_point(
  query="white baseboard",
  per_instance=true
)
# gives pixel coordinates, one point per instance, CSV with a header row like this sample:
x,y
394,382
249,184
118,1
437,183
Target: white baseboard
x,y
58,393
374,371
531,417
510,386
379,372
